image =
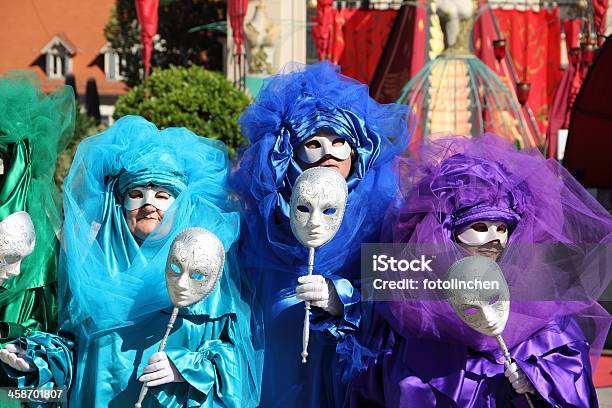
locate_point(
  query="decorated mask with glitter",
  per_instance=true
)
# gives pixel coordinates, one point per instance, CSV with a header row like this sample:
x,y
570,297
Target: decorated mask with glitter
x,y
17,239
194,266
148,195
484,310
318,200
317,147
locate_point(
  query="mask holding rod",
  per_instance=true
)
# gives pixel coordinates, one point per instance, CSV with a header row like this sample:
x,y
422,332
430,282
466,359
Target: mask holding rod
x,y
318,201
484,310
193,269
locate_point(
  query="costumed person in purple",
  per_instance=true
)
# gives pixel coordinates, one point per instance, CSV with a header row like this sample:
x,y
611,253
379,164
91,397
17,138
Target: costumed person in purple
x,y
549,237
313,117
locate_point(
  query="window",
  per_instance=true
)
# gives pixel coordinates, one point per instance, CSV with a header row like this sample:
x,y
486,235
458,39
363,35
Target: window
x,y
58,57
113,65
58,62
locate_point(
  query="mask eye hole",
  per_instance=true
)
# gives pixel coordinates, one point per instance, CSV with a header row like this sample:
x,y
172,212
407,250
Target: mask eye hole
x,y
480,227
470,310
197,276
11,259
502,228
174,267
338,142
303,208
329,211
135,194
494,300
162,195
312,144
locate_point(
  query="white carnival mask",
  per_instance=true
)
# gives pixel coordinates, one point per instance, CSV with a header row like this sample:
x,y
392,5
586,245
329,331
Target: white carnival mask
x,y
1,167
194,266
317,206
482,232
317,147
484,310
17,239
148,195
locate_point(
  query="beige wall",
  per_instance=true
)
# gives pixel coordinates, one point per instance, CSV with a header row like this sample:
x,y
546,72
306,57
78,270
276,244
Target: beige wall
x,y
290,16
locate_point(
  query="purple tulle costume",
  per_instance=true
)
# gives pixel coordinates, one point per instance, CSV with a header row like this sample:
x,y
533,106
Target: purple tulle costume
x,y
554,264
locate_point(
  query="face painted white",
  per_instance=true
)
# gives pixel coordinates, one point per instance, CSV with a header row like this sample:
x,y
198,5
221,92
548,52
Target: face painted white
x,y
482,232
485,311
17,239
194,266
317,147
148,195
317,206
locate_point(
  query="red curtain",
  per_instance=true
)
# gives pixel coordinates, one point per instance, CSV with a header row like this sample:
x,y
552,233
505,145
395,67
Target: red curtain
x,y
406,42
600,8
148,19
361,36
352,38
485,32
237,11
322,30
533,41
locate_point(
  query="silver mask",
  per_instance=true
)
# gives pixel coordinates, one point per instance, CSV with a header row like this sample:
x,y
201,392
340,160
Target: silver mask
x,y
484,310
317,206
17,239
194,266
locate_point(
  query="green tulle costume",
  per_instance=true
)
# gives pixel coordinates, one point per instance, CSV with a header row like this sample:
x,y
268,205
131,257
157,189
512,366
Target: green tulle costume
x,y
34,128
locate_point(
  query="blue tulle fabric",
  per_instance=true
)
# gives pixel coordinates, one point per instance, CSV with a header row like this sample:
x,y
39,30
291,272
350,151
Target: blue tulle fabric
x,y
291,107
110,280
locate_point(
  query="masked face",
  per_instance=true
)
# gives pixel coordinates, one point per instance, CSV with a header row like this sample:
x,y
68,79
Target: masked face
x,y
1,167
317,206
321,145
17,239
140,196
483,232
484,310
194,266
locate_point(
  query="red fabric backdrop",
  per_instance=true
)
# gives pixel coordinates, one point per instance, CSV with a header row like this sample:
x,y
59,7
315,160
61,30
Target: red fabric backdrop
x,y
533,41
352,38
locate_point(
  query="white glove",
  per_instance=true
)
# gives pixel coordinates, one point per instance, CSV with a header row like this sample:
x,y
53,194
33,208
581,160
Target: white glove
x,y
161,370
321,293
14,356
518,379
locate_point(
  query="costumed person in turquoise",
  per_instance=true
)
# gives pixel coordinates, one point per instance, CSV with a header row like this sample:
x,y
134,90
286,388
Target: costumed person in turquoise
x,y
313,116
465,200
34,128
130,191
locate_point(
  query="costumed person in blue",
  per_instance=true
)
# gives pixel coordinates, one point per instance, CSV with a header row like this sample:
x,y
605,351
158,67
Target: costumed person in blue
x,y
465,200
130,191
308,117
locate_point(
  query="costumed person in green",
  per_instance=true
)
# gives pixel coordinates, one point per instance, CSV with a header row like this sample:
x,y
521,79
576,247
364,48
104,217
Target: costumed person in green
x,y
34,128
130,191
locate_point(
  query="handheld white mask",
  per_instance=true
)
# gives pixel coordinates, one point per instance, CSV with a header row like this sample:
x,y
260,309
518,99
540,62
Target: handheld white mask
x,y
482,232
148,195
317,206
484,310
194,266
317,147
17,240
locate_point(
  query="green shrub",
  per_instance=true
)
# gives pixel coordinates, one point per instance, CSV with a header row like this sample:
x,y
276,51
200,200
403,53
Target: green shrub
x,y
200,100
